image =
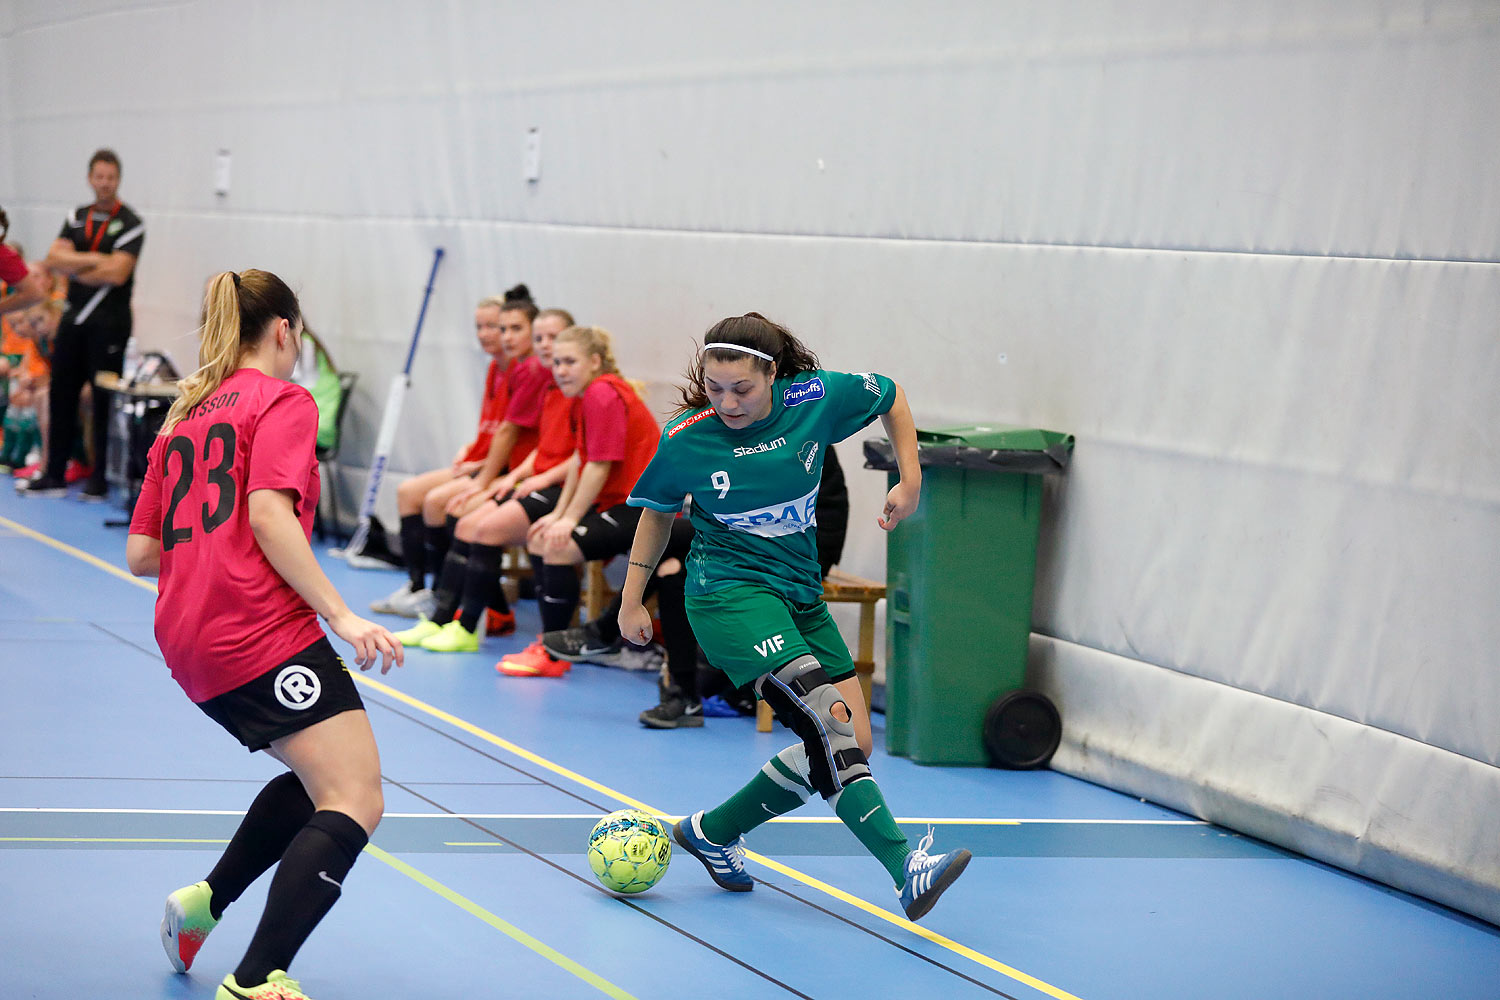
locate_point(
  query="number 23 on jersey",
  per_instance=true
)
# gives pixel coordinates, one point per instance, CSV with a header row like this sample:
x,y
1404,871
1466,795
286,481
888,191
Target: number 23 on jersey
x,y
215,469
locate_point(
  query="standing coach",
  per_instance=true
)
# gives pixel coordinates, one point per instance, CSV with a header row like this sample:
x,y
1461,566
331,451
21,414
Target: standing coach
x,y
97,249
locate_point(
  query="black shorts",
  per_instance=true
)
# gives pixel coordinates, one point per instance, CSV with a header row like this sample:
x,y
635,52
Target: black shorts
x,y
300,691
537,503
604,534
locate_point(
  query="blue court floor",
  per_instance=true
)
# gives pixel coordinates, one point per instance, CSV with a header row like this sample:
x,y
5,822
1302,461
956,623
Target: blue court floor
x,y
115,790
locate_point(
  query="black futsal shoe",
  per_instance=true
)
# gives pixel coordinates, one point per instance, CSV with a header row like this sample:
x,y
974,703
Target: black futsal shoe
x,y
41,486
674,712
578,645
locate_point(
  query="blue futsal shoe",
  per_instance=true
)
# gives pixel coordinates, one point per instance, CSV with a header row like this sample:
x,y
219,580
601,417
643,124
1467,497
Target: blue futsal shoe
x,y
927,876
725,864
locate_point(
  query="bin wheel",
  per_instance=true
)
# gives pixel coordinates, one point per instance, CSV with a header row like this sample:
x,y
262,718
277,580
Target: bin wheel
x,y
1022,730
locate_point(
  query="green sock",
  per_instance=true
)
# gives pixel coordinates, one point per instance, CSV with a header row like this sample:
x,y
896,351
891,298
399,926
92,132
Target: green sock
x,y
775,790
862,808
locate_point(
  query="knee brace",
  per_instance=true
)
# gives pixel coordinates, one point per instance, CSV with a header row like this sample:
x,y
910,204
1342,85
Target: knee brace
x,y
803,698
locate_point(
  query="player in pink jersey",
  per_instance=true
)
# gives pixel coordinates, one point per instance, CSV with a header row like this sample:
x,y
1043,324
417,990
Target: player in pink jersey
x,y
224,519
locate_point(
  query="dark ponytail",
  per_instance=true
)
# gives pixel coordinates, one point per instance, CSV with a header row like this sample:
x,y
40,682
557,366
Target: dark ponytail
x,y
754,331
518,299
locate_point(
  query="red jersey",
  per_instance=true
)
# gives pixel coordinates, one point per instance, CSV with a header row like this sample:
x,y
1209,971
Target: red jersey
x,y
555,441
491,412
12,267
527,381
223,615
615,426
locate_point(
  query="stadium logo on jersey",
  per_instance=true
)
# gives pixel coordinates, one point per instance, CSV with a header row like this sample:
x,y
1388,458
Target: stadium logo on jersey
x,y
757,449
690,421
871,382
801,392
297,687
789,518
808,453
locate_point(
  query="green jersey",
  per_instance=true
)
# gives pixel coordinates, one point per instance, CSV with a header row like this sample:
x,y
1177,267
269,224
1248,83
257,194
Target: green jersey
x,y
755,489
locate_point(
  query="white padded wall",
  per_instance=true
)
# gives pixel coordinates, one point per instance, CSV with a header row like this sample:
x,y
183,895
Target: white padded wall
x,y
1247,253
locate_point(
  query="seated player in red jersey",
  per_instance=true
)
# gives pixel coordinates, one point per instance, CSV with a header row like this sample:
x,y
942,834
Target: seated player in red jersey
x,y
512,389
615,436
469,583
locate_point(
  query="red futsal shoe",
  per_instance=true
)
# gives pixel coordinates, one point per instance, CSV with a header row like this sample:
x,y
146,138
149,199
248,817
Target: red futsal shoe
x,y
497,623
533,661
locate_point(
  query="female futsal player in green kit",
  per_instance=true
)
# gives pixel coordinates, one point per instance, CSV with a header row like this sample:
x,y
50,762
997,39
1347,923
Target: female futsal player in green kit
x,y
747,445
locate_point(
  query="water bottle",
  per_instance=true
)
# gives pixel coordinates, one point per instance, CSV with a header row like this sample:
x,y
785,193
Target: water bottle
x,y
132,361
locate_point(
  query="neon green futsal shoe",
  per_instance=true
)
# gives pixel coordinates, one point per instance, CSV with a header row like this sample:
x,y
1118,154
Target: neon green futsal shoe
x,y
452,638
186,924
423,629
278,986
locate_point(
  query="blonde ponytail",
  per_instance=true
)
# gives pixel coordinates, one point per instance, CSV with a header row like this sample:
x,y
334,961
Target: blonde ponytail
x,y
218,348
236,311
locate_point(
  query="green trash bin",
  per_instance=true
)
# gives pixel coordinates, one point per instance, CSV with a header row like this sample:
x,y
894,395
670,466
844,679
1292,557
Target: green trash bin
x,y
960,574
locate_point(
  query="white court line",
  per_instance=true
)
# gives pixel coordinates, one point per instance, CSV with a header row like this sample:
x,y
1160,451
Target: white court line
x,y
936,821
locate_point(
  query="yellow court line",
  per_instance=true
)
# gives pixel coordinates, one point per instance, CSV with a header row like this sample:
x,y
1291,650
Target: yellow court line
x,y
504,744
912,820
421,878
917,929
76,553
792,873
505,927
876,911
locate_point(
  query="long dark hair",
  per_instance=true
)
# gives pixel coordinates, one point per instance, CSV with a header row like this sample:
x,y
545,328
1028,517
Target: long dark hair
x,y
4,225
754,331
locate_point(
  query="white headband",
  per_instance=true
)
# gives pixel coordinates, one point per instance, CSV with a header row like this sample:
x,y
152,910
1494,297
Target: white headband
x,y
742,347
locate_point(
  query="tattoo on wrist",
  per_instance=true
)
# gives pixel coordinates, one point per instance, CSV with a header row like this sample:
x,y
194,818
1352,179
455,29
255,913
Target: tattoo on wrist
x,y
645,566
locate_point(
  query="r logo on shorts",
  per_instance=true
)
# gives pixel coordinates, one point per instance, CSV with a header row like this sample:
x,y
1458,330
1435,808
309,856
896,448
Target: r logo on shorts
x,y
297,687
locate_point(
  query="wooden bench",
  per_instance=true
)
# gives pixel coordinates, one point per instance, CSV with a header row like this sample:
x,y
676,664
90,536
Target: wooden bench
x,y
845,588
515,566
597,593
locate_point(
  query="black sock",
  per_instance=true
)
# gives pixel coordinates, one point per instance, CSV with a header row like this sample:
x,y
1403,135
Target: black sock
x,y
480,584
607,625
497,600
280,810
414,549
450,582
677,634
306,885
559,597
437,539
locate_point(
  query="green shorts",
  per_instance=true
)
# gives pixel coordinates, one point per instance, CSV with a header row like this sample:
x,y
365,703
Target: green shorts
x,y
748,631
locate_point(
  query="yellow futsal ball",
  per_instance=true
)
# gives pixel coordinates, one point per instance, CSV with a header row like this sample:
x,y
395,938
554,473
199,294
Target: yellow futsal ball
x,y
629,851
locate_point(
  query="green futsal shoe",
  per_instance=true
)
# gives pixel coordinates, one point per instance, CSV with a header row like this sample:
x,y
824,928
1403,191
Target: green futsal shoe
x,y
452,638
426,628
278,986
186,924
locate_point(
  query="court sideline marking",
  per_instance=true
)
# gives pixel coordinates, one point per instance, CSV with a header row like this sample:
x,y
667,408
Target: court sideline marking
x,y
878,912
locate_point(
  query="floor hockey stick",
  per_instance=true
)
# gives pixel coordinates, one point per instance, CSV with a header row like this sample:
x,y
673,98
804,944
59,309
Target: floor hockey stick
x,y
394,397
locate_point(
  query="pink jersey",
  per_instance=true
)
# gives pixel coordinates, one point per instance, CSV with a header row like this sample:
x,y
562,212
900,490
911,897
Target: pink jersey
x,y
223,615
